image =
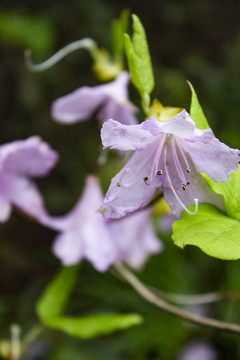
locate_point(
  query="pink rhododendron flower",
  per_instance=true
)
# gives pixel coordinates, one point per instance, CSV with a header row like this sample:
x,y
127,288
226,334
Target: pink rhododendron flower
x,y
84,233
109,100
168,155
20,161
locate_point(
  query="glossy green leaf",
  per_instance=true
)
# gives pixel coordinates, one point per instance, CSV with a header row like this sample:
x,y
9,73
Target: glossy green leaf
x,y
56,295
139,60
34,32
212,231
119,27
196,111
230,191
90,326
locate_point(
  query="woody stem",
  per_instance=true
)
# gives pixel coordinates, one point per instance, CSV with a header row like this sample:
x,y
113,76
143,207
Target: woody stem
x,y
152,298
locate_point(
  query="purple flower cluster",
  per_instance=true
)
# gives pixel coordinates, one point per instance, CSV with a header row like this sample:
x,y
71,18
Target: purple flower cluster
x,y
169,156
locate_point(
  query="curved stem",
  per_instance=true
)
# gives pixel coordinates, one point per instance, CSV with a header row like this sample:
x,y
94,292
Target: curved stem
x,y
142,290
86,43
198,299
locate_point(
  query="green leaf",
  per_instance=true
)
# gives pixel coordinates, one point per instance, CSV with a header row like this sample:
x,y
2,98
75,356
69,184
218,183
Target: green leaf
x,y
119,27
34,32
90,326
230,191
196,111
212,231
57,293
139,60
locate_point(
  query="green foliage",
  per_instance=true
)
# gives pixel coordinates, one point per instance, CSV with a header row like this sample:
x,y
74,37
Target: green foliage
x,y
56,295
119,27
52,303
35,33
87,327
139,60
230,191
196,111
212,231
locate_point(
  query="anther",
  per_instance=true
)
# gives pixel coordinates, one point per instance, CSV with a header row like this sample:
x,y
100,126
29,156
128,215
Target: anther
x,y
160,172
189,170
118,184
184,187
146,178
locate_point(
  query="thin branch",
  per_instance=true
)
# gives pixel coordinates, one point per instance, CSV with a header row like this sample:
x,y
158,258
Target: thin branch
x,y
197,299
86,43
142,290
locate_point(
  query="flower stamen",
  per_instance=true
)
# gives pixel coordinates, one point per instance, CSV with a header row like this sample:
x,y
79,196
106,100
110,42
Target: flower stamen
x,y
156,161
184,158
171,185
178,165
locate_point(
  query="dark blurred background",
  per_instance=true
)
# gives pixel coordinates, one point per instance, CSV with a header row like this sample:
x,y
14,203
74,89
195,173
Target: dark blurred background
x,y
189,40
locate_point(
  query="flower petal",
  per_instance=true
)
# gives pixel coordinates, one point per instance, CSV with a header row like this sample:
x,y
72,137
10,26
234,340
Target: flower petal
x,y
5,208
22,193
181,125
134,238
198,189
68,248
78,105
215,159
128,191
31,157
124,137
99,248
123,112
84,231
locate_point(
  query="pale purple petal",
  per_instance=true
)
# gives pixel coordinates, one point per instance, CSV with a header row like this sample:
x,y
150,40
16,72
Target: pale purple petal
x,y
77,106
123,112
125,137
135,238
22,193
128,190
31,157
215,159
117,88
20,160
68,248
165,223
5,208
184,127
99,248
181,125
85,228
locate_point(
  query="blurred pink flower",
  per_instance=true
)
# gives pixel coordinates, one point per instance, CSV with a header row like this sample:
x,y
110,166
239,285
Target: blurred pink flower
x,y
84,233
109,100
20,161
